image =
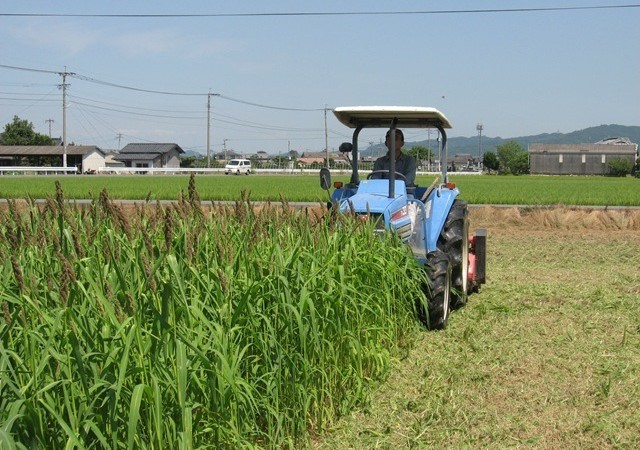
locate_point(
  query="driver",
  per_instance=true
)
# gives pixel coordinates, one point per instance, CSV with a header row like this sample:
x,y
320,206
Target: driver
x,y
405,164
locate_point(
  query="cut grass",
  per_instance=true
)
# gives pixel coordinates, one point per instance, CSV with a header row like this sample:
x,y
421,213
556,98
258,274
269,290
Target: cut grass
x,y
523,190
546,356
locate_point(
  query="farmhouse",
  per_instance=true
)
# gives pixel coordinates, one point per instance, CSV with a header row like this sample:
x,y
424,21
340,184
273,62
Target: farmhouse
x,y
580,159
460,161
309,159
260,156
227,155
83,157
150,155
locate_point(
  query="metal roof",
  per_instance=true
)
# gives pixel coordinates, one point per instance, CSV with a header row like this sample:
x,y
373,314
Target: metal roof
x,y
46,150
150,148
616,141
381,116
136,156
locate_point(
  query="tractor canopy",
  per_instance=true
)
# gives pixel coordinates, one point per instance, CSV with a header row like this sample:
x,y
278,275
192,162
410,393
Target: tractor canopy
x,y
391,117
381,117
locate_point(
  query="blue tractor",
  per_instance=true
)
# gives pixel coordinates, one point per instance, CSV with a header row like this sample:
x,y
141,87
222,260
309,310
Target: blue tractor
x,y
432,220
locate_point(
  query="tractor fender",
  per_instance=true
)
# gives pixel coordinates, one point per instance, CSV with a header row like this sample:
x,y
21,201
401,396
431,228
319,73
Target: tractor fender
x,y
342,193
437,209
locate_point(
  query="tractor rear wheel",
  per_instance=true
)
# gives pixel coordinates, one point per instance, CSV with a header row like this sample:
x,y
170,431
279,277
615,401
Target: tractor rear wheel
x,y
438,267
454,241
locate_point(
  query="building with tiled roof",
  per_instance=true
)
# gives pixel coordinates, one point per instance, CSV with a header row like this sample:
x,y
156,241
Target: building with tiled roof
x,y
150,155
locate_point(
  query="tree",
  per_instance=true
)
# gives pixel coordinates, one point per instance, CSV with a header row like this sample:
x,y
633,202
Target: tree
x,y
513,158
294,154
619,167
419,152
490,162
20,132
636,169
187,161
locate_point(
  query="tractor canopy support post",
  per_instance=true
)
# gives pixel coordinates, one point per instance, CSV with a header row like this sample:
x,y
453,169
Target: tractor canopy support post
x,y
355,179
392,158
443,154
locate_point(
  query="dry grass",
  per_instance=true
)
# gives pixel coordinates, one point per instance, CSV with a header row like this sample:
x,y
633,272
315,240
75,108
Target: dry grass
x,y
557,218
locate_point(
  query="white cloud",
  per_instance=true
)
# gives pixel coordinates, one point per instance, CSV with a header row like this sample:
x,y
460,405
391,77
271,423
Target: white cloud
x,y
64,38
161,41
153,42
67,38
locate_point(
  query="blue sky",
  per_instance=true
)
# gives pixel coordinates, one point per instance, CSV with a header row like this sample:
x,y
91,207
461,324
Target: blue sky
x,y
517,73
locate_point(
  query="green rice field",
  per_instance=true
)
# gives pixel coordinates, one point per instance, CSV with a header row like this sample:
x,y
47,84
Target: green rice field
x,y
485,189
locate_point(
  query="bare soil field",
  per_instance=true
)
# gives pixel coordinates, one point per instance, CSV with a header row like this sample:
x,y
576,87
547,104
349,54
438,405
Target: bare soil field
x,y
546,356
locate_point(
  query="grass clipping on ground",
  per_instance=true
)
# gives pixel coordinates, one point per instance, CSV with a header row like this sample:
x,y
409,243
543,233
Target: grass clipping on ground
x,y
545,356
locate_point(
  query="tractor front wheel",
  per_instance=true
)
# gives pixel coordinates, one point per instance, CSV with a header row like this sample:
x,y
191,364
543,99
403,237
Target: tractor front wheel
x,y
438,267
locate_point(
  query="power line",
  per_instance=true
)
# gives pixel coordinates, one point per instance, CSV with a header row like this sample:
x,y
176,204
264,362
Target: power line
x,y
330,13
269,107
232,120
121,86
137,113
26,93
156,110
152,91
107,83
29,69
29,99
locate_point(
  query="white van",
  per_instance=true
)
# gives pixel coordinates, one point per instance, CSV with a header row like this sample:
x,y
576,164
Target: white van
x,y
238,166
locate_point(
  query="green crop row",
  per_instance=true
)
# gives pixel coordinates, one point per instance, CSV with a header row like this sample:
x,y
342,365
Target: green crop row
x,y
520,190
179,328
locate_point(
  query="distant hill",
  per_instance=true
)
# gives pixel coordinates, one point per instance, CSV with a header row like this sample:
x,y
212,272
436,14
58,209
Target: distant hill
x,y
470,144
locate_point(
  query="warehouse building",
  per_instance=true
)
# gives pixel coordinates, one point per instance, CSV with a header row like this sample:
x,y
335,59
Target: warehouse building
x,y
90,158
580,159
84,158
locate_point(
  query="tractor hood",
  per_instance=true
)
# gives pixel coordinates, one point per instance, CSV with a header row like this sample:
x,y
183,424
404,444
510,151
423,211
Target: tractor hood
x,y
373,197
372,201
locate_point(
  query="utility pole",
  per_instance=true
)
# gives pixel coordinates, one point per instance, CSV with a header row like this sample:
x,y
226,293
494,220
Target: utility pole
x,y
479,127
119,137
326,136
63,86
50,122
209,129
224,146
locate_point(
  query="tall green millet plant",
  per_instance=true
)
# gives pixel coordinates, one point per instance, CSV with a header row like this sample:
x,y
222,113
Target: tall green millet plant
x,y
174,327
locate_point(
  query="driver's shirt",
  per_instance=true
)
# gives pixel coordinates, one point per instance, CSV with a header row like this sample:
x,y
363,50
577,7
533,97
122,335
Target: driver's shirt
x,y
405,164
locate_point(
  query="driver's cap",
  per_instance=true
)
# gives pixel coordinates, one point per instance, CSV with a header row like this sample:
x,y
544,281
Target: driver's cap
x,y
398,133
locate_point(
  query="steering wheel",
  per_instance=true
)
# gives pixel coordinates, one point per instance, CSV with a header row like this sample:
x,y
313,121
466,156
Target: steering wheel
x,y
387,172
